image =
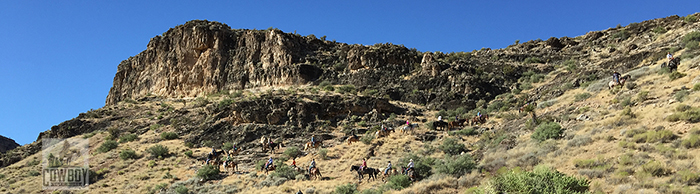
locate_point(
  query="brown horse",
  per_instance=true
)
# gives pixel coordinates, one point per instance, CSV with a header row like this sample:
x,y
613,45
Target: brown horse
x,y
381,133
230,164
411,174
479,120
315,173
309,145
353,139
612,83
457,123
270,167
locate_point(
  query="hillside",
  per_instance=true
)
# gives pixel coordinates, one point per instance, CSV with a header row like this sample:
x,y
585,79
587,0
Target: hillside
x,y
202,85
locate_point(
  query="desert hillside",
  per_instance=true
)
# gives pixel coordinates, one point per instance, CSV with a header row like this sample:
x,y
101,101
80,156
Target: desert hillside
x,y
554,125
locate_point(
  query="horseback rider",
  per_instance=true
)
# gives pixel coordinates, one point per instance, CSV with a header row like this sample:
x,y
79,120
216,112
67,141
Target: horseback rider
x,y
234,147
313,140
616,77
408,123
364,164
383,128
269,162
312,165
388,167
439,118
478,114
294,162
410,166
669,56
210,156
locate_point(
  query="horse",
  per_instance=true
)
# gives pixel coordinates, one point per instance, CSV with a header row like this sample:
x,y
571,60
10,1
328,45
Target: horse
x,y
391,172
315,173
309,145
263,141
612,83
270,167
411,174
525,107
230,164
479,120
216,155
673,64
381,133
440,124
456,123
367,170
408,128
353,139
234,152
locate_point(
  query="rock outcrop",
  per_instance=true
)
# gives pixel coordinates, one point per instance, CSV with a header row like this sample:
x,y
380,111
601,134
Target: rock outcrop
x,y
7,144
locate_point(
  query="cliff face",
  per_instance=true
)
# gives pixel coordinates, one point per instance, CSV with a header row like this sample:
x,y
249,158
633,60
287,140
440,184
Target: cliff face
x,y
7,144
202,57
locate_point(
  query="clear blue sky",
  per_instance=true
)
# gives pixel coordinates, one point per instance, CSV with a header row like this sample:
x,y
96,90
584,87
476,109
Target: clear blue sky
x,y
58,58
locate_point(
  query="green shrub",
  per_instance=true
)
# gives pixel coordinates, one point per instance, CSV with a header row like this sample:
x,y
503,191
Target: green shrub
x,y
188,153
114,132
622,35
582,96
692,141
128,154
227,146
226,102
675,75
158,151
371,191
169,135
642,96
541,180
369,92
285,171
655,168
452,146
464,132
207,172
422,165
107,146
323,153
685,113
570,65
687,177
654,136
346,89
398,182
346,189
532,60
547,130
367,138
128,138
456,165
692,45
690,19
155,126
89,135
292,152
34,173
659,30
181,189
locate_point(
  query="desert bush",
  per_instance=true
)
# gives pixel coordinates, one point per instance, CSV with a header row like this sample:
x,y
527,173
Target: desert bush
x,y
369,92
659,30
655,168
225,103
158,151
579,141
422,165
155,126
685,113
398,182
227,146
464,132
541,180
346,189
285,171
367,138
456,165
128,138
680,95
323,153
642,96
208,172
452,147
622,35
181,189
188,153
547,130
582,96
532,60
692,141
107,146
128,154
169,135
654,136
690,37
292,152
686,177
346,89
676,75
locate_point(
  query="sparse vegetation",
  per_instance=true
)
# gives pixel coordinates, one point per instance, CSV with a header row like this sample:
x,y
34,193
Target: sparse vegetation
x,y
323,153
346,189
398,182
169,135
541,180
367,138
676,75
107,146
292,152
547,130
188,153
158,151
452,146
582,96
456,165
685,113
128,154
128,138
208,172
532,60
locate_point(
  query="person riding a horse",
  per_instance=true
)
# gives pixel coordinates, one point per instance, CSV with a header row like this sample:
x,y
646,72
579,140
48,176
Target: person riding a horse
x,y
313,140
269,162
410,167
669,56
383,128
364,164
312,165
478,114
388,167
439,118
294,163
616,77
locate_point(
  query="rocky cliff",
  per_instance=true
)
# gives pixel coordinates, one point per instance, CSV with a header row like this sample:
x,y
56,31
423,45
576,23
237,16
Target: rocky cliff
x,y
7,144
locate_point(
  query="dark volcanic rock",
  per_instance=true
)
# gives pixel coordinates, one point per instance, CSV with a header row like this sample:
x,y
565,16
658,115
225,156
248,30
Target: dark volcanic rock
x,y
7,144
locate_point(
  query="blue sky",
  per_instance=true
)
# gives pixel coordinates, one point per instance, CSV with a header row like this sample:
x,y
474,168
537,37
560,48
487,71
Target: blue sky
x,y
58,58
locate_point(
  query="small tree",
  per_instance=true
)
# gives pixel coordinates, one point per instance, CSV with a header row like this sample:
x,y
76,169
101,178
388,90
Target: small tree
x,y
548,130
